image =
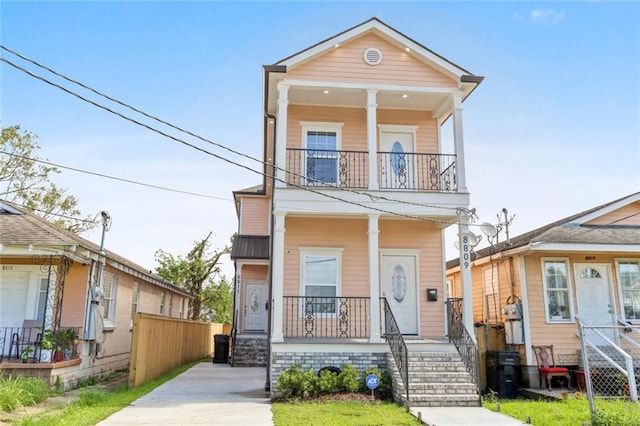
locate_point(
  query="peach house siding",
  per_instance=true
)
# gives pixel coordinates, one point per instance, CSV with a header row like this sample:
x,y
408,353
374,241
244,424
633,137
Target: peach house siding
x,y
346,64
426,239
354,131
254,218
628,215
75,295
348,234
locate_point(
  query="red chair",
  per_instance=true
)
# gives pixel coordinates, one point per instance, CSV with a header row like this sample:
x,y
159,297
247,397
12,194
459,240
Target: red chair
x,y
548,370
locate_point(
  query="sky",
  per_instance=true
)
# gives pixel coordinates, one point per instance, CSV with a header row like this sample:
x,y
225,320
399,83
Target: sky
x,y
553,130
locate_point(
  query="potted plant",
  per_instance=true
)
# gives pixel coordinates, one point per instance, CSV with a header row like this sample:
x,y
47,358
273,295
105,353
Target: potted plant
x,y
69,338
54,341
26,352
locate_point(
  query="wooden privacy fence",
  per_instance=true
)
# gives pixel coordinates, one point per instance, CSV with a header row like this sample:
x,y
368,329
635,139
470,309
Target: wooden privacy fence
x,y
161,343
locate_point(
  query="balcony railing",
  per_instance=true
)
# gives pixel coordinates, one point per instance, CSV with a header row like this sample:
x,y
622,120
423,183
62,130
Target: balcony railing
x,y
326,317
423,172
319,167
350,169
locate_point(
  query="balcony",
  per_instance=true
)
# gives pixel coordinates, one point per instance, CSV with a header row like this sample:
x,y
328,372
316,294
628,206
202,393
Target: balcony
x,y
326,317
350,169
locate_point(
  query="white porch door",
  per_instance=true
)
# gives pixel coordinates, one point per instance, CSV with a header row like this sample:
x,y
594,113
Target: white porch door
x,y
593,286
255,307
14,290
398,286
397,169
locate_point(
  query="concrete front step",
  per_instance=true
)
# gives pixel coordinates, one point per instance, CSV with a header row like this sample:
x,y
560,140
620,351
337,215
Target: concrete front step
x,y
442,388
438,377
444,400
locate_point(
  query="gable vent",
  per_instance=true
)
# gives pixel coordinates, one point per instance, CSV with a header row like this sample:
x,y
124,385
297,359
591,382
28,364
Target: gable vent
x,y
372,56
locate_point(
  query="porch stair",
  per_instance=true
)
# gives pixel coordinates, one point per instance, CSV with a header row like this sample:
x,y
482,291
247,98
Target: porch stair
x,y
249,351
437,378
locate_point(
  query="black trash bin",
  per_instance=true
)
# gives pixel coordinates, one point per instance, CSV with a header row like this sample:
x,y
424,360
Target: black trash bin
x,y
503,372
221,349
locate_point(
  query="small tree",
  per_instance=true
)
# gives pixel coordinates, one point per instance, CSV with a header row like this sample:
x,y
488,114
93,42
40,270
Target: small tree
x,y
195,273
26,181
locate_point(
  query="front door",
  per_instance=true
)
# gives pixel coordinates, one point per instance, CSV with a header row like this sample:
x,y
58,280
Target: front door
x,y
398,286
593,286
255,307
14,287
397,168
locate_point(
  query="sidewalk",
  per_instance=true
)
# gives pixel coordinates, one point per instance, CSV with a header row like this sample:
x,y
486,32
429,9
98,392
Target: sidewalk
x,y
206,394
454,416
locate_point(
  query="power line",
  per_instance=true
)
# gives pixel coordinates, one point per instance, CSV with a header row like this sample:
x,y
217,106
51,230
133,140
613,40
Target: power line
x,y
148,185
180,129
176,139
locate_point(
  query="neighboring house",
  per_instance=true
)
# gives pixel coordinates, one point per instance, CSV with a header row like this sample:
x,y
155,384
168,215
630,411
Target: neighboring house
x,y
46,284
586,265
349,220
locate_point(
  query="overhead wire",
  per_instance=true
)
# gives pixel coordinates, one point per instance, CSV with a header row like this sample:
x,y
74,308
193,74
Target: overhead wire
x,y
217,156
203,139
148,185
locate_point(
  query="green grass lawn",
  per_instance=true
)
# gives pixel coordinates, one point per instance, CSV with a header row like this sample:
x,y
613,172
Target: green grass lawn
x,y
569,412
341,413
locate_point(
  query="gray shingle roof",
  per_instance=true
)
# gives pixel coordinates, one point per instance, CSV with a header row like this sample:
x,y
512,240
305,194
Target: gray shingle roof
x,y
566,231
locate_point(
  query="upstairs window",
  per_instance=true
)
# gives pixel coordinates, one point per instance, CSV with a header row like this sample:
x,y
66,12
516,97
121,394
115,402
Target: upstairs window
x,y
321,143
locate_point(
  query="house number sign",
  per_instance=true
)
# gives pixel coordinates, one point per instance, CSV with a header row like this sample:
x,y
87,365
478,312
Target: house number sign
x,y
466,252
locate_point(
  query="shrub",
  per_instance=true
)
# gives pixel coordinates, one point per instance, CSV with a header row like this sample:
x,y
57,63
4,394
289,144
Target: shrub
x,y
348,379
297,383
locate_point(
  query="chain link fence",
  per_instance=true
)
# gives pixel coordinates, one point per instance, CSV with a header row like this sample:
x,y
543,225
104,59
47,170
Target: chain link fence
x,y
610,362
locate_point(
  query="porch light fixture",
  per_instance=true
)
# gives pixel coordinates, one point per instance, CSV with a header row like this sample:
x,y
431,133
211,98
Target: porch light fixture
x,y
406,49
30,248
1,246
326,92
336,45
405,96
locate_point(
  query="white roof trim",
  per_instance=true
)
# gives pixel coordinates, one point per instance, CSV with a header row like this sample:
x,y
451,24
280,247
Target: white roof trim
x,y
625,248
387,33
608,209
369,86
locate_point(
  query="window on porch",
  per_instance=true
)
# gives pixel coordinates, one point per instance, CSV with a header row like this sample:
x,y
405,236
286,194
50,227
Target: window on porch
x,y
629,279
320,282
557,290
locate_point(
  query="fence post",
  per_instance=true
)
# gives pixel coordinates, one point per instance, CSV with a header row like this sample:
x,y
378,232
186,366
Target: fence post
x,y
587,373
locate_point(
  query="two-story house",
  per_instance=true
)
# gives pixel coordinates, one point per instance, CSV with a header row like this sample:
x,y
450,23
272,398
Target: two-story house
x,y
339,255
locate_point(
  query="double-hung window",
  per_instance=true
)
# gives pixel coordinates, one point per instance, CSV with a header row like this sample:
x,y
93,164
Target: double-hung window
x,y
109,284
629,280
321,280
321,143
557,290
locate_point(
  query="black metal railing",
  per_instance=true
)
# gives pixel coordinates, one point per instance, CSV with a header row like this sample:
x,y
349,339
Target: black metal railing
x,y
423,172
30,344
393,336
320,167
326,317
460,337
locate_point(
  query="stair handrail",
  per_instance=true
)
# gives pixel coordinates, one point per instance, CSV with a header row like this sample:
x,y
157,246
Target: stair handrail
x,y
629,371
461,339
393,336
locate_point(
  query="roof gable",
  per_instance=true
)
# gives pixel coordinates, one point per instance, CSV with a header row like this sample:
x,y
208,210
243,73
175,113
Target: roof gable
x,y
386,32
347,64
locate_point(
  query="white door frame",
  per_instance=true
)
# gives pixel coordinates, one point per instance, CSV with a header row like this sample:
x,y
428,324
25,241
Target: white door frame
x,y
262,305
577,268
416,258
412,167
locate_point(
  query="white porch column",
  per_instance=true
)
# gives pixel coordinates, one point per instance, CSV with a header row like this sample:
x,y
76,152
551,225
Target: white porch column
x,y
374,278
372,138
281,135
465,276
458,142
277,277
